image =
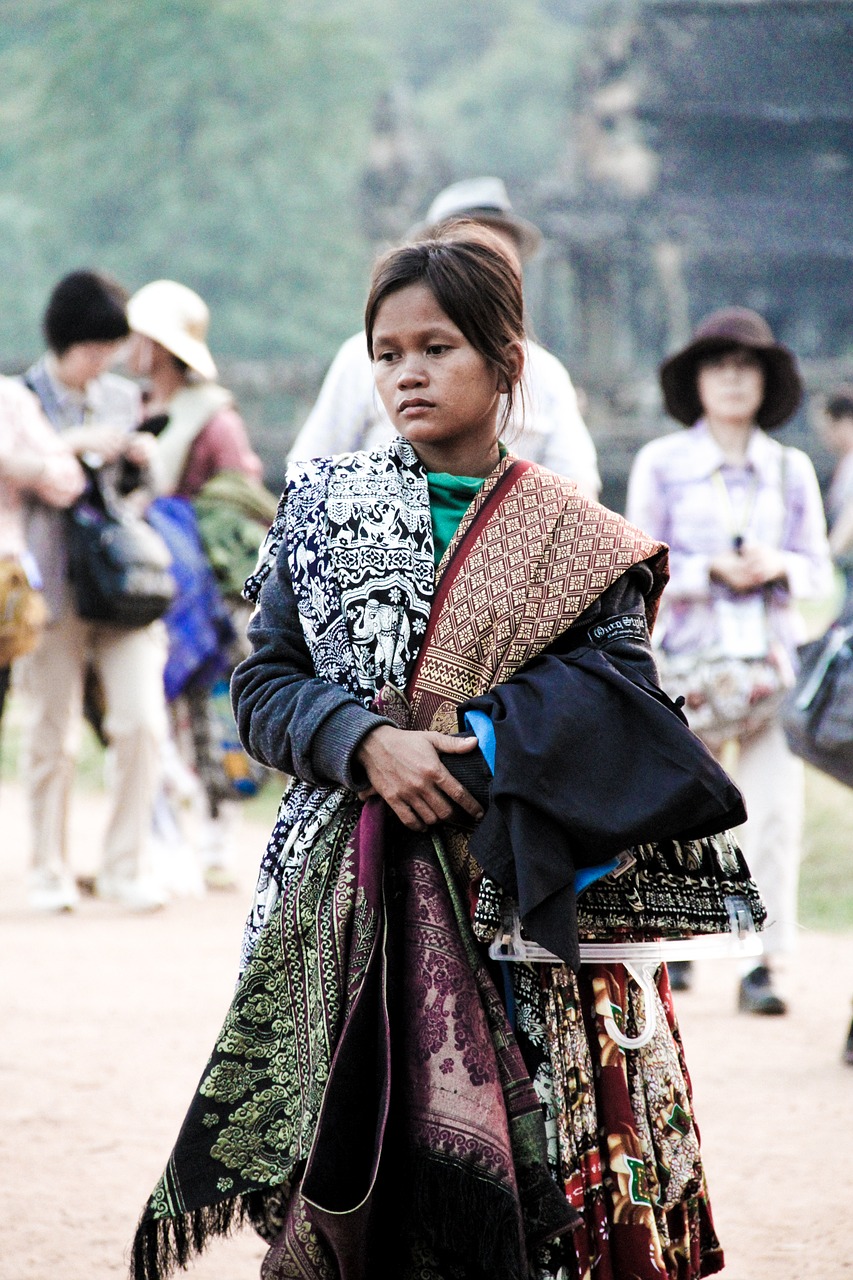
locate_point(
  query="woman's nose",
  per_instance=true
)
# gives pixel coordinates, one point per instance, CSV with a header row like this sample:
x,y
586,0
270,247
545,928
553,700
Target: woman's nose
x,y
411,371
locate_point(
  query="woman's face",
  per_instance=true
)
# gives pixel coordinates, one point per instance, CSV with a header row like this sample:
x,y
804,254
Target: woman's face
x,y
147,357
837,433
438,390
81,363
731,387
140,355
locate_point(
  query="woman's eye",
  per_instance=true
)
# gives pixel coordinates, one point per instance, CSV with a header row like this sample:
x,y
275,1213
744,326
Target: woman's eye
x,y
436,348
385,357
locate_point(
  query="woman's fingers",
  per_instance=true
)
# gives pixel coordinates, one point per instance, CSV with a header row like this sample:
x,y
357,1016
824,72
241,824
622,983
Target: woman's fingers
x,y
449,785
452,742
408,817
405,769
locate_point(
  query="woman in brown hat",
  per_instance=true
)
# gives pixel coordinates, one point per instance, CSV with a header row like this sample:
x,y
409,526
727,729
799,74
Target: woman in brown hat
x,y
744,520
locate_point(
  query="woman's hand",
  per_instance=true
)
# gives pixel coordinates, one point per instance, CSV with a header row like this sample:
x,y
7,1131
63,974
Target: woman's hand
x,y
140,448
749,569
108,443
403,767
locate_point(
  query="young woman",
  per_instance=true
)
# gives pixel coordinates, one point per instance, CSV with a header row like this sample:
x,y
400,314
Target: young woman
x,y
383,1099
744,521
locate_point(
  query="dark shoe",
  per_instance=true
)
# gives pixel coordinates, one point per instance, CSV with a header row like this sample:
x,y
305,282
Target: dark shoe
x,y
680,975
756,994
847,1055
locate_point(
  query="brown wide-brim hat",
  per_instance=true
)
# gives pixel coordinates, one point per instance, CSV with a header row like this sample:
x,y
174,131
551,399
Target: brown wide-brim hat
x,y
722,331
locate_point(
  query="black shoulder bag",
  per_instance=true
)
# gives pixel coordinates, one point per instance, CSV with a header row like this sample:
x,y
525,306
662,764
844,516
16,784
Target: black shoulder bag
x,y
818,714
119,566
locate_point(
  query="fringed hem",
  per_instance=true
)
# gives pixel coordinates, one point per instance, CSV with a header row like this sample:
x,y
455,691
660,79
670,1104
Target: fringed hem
x,y
162,1244
468,1218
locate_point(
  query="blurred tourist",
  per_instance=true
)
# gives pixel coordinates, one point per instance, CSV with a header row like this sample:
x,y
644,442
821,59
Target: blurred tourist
x,y
744,521
837,430
34,464
95,414
349,414
199,436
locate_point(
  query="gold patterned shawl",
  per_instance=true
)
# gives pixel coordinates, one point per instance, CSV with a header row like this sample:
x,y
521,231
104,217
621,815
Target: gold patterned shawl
x,y
530,555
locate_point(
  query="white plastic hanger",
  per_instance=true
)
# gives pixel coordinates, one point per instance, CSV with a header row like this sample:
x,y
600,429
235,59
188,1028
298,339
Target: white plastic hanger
x,y
641,959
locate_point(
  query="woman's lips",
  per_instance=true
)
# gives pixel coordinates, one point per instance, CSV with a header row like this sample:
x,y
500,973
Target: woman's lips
x,y
413,408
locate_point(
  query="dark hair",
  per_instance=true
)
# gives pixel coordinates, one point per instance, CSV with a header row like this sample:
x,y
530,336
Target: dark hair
x,y
472,280
86,306
840,403
714,353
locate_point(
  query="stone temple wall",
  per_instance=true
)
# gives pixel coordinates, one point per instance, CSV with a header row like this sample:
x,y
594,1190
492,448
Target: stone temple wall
x,y
715,167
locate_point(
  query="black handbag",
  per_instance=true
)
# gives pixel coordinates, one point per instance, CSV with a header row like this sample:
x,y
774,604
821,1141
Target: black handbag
x,y
818,713
119,566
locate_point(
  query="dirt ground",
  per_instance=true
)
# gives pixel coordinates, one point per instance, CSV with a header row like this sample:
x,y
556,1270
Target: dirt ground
x,y
106,1021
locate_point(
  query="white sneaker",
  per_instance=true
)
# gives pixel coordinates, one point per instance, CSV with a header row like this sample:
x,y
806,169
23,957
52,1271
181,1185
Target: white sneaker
x,y
54,899
219,879
214,842
171,858
134,895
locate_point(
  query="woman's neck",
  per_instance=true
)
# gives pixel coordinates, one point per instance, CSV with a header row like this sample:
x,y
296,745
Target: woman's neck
x,y
164,383
732,435
463,460
63,371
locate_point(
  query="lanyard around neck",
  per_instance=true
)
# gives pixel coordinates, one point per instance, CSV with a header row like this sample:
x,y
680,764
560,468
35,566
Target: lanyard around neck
x,y
737,522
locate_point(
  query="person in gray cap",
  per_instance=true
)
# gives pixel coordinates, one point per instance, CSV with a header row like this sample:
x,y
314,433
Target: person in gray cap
x,y
348,414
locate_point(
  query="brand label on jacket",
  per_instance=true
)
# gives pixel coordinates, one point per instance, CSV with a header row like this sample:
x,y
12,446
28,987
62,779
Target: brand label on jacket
x,y
624,626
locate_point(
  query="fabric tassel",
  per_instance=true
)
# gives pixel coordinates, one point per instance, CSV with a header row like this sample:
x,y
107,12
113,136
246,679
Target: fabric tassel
x,y
162,1244
471,1220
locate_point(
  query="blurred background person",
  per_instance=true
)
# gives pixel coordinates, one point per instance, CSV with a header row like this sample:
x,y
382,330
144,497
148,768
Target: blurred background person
x,y
95,414
198,428
744,521
200,436
348,414
34,464
837,431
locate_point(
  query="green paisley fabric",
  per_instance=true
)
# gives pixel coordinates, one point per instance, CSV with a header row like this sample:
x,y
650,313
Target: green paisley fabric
x,y
255,1111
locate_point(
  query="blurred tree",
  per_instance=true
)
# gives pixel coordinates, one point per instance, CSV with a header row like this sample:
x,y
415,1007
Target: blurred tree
x,y
216,141
242,146
500,95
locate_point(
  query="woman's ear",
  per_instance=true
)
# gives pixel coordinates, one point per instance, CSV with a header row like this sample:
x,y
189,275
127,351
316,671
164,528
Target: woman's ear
x,y
514,364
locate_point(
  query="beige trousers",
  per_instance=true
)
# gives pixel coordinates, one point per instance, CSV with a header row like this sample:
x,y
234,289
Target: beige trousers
x,y
772,781
130,665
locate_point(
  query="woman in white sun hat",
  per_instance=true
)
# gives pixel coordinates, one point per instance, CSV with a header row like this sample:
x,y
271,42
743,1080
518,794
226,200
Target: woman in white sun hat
x,y
200,434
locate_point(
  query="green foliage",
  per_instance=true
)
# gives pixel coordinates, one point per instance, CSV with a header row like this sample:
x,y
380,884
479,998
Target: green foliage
x,y
825,898
214,142
512,106
224,143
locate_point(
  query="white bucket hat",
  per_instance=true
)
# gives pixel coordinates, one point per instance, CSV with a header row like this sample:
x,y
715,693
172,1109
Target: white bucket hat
x,y
177,318
484,200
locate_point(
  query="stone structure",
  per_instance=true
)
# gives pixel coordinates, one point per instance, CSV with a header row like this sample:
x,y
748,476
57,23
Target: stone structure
x,y
715,158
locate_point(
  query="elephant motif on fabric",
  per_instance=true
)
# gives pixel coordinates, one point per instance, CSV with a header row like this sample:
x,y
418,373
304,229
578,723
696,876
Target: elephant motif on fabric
x,y
384,630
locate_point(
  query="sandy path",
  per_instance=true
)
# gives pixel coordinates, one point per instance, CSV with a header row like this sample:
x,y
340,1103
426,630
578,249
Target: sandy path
x,y
106,1021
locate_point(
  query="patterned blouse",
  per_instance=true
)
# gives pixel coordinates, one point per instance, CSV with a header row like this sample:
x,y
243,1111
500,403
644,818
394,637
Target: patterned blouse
x,y
683,491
